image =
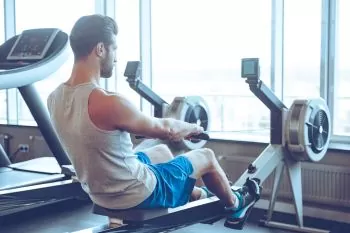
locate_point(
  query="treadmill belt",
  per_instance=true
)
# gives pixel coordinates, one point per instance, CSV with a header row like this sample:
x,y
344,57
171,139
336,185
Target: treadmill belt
x,y
13,204
46,165
10,179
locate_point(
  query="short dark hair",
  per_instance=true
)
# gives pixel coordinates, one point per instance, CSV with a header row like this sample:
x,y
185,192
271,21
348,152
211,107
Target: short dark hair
x,y
90,30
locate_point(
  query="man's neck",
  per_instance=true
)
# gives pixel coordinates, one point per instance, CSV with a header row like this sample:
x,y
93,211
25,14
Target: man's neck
x,y
83,72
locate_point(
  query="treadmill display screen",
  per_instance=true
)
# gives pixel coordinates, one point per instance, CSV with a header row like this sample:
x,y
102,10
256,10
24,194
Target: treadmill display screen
x,y
32,44
250,67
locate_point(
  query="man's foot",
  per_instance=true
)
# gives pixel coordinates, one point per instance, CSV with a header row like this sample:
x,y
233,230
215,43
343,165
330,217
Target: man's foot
x,y
247,195
206,192
201,193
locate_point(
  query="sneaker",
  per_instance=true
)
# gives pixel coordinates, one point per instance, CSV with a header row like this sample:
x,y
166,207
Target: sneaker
x,y
247,195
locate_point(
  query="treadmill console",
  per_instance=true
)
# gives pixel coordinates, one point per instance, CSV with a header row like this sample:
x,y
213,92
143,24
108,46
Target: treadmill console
x,y
250,68
32,44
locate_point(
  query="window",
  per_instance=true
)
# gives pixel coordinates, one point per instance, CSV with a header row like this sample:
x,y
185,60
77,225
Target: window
x,y
3,102
302,49
3,107
128,39
2,23
61,14
201,55
342,71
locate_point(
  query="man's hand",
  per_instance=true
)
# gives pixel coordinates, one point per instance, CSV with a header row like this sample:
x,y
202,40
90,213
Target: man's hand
x,y
186,133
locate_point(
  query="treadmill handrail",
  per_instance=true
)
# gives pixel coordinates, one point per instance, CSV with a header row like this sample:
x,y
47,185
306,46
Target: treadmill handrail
x,y
24,78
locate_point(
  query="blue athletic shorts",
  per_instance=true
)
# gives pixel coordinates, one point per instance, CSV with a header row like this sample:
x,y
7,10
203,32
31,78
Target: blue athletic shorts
x,y
174,184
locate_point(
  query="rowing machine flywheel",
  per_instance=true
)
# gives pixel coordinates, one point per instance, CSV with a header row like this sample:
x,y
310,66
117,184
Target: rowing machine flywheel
x,y
307,129
192,109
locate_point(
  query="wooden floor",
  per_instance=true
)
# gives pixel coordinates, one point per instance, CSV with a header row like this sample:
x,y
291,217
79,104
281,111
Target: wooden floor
x,y
71,217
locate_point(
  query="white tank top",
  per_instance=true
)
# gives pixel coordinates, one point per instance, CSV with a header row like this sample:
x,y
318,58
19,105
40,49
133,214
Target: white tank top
x,y
104,161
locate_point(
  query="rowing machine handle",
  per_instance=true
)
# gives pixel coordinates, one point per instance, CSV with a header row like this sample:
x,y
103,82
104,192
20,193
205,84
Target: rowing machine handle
x,y
201,136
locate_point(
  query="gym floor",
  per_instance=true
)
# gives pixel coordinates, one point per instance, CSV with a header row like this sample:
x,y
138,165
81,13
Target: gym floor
x,y
70,217
75,216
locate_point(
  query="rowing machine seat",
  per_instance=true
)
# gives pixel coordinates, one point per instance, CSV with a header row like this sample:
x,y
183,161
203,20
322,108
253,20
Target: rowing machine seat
x,y
141,215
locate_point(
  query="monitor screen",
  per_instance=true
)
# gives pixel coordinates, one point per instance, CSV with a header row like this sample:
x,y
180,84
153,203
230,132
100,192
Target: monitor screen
x,y
32,44
132,69
250,67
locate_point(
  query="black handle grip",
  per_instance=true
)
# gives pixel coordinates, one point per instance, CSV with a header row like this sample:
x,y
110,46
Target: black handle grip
x,y
201,136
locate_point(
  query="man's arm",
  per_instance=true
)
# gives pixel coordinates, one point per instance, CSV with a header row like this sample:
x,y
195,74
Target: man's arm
x,y
125,116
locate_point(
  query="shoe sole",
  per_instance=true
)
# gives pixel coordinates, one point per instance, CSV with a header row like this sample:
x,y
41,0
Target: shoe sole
x,y
238,223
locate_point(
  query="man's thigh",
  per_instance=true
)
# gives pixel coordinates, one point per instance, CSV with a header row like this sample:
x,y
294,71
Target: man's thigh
x,y
158,154
201,160
174,184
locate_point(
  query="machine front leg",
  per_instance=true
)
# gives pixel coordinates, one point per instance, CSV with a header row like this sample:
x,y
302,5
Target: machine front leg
x,y
276,185
294,175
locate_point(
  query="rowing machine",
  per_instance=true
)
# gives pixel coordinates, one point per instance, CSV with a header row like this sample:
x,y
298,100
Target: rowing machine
x,y
298,134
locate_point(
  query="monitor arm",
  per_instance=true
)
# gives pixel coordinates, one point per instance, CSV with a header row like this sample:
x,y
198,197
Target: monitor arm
x,y
250,71
133,73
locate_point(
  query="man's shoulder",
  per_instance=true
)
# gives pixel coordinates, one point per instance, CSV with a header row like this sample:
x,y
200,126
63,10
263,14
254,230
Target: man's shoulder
x,y
99,96
54,94
54,91
106,103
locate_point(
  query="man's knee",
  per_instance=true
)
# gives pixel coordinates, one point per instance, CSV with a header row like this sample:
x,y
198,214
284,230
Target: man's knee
x,y
209,157
203,161
208,152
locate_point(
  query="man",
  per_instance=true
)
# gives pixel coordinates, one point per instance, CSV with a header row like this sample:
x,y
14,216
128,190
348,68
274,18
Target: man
x,y
95,125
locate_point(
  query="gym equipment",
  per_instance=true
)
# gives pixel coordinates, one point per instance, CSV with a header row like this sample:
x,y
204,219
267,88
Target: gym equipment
x,y
192,109
189,109
298,134
27,58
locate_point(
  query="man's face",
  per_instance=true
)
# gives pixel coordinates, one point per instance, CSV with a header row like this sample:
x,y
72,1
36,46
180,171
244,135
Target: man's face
x,y
107,63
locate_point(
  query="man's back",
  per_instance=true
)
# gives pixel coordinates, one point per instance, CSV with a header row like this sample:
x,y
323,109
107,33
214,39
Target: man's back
x,y
104,160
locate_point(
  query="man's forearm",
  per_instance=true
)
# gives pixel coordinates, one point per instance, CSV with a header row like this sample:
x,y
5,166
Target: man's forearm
x,y
177,129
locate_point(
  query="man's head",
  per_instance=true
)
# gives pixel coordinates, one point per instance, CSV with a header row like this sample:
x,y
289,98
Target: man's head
x,y
94,36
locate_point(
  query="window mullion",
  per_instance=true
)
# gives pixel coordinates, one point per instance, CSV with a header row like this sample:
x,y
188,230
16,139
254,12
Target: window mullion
x,y
277,48
10,31
331,39
145,50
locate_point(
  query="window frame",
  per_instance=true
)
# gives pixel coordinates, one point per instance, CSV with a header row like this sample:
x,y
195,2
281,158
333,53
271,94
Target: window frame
x,y
10,31
332,7
327,61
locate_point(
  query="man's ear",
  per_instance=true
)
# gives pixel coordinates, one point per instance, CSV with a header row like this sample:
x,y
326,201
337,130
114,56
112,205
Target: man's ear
x,y
100,49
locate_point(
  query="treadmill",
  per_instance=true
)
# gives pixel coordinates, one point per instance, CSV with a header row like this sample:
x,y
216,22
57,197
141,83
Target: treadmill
x,y
27,58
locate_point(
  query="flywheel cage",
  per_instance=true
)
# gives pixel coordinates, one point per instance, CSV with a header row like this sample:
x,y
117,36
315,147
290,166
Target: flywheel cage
x,y
307,129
